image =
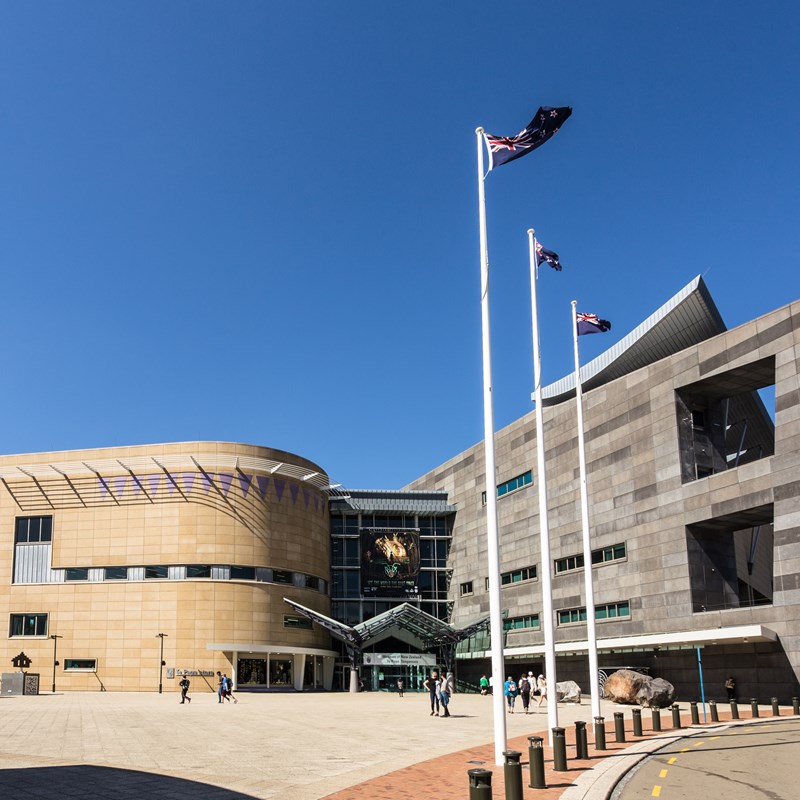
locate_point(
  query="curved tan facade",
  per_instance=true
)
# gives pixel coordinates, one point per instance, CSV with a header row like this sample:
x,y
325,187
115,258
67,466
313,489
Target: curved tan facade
x,y
199,541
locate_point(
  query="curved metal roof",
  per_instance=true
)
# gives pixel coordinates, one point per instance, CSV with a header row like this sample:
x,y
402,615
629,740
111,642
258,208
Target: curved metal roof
x,y
688,318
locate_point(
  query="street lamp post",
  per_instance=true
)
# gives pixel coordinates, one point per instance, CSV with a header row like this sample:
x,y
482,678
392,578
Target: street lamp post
x,y
55,637
161,662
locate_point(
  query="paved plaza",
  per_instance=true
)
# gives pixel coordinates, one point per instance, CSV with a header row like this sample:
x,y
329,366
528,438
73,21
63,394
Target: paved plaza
x,y
284,746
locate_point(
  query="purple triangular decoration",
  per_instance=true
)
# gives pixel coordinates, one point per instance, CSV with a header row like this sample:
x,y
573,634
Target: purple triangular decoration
x,y
280,485
262,481
119,484
208,481
171,483
154,482
294,489
188,480
226,479
244,483
103,486
306,496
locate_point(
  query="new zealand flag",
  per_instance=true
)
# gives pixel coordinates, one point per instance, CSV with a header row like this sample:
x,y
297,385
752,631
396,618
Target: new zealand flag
x,y
547,121
591,323
548,256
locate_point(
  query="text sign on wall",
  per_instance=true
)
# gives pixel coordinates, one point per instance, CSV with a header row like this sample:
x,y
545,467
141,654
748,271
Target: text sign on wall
x,y
400,659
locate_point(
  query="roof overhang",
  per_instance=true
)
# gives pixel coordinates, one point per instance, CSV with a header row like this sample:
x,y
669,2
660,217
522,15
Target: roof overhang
x,y
688,318
282,649
739,634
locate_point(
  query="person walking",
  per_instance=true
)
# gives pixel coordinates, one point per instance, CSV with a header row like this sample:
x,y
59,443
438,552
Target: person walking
x,y
227,688
730,687
510,691
431,685
400,687
446,693
525,692
220,687
541,685
484,685
184,684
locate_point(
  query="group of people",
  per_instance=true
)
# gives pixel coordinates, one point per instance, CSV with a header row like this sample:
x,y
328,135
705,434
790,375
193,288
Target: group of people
x,y
440,687
525,687
224,689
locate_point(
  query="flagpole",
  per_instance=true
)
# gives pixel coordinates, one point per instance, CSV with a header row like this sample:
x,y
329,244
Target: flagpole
x,y
544,533
594,671
492,541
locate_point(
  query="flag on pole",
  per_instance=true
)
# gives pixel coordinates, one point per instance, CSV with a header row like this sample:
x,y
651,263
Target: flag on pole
x,y
547,121
543,254
591,323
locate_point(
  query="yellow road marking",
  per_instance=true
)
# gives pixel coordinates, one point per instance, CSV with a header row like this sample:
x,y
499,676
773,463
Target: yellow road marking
x,y
663,773
713,738
697,744
685,750
672,760
656,791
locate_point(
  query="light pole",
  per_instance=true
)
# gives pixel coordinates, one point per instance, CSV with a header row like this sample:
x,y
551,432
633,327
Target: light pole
x,y
55,637
161,661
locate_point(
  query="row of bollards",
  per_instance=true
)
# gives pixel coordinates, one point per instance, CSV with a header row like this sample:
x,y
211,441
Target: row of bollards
x,y
480,780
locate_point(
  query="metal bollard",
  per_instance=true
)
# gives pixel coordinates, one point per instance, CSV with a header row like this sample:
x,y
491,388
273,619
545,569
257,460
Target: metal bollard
x,y
581,745
480,784
619,726
754,707
536,762
714,713
676,716
636,713
512,774
599,733
559,750
776,711
656,712
734,710
796,705
695,713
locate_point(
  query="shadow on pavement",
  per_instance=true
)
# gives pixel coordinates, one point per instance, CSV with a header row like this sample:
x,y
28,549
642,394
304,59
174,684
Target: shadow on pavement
x,y
102,783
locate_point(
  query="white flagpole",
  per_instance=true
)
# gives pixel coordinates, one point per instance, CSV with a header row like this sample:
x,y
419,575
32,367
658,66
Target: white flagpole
x,y
492,541
544,532
594,683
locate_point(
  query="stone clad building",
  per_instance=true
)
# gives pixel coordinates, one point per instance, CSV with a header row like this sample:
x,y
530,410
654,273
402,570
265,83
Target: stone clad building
x,y
694,498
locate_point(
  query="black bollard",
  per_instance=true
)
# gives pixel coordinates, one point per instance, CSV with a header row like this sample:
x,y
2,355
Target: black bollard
x,y
656,712
599,733
559,750
776,711
480,784
714,713
636,713
754,707
536,762
619,726
796,705
581,745
695,713
512,774
734,710
676,716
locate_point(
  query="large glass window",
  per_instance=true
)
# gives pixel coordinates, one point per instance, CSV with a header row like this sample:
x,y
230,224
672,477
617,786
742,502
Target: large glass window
x,y
158,571
28,625
31,530
116,573
345,552
76,574
198,571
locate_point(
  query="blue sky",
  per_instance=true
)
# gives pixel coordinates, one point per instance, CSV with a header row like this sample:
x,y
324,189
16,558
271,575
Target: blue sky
x,y
257,221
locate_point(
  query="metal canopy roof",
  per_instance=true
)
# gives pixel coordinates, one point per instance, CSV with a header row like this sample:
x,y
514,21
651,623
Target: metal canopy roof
x,y
431,632
688,318
431,503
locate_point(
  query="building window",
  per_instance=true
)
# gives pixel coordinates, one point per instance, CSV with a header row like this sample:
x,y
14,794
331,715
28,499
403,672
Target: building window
x,y
243,573
517,576
520,482
198,571
291,621
31,530
80,665
28,625
519,623
76,574
282,576
571,616
603,555
116,573
465,590
157,571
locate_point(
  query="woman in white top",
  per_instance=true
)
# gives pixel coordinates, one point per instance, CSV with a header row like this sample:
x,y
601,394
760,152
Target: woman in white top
x,y
541,685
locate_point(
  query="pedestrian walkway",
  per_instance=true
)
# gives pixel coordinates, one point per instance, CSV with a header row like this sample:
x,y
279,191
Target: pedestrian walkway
x,y
279,746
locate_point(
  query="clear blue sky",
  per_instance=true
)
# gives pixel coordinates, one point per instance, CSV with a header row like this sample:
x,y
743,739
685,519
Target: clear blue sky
x,y
257,221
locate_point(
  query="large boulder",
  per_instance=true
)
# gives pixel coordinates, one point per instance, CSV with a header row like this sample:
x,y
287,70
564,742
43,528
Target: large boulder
x,y
634,688
568,692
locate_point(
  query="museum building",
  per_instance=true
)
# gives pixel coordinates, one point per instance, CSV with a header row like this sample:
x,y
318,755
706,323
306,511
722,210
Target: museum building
x,y
214,556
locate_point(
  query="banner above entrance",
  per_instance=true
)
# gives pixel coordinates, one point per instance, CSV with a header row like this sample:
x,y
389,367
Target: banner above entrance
x,y
399,659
